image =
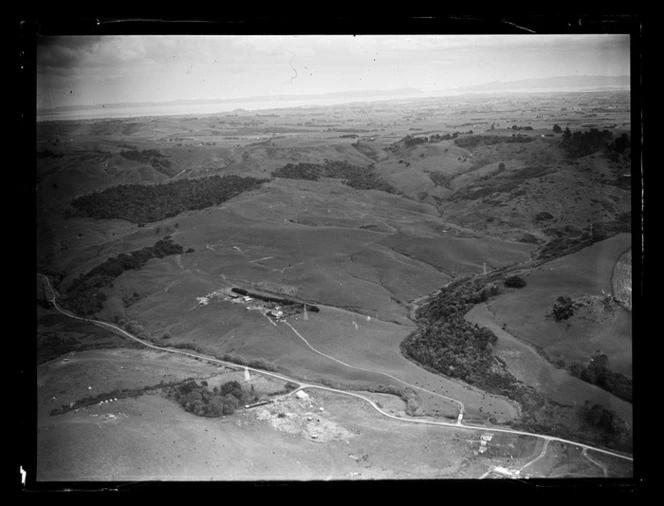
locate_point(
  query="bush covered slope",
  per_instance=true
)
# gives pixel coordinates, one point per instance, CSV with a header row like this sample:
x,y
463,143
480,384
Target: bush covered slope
x,y
148,203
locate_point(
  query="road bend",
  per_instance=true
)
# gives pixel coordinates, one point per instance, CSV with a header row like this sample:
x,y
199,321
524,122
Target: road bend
x,y
51,296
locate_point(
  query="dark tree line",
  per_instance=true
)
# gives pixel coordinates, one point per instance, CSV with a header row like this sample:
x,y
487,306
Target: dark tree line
x,y
360,178
85,297
472,141
579,143
597,372
148,203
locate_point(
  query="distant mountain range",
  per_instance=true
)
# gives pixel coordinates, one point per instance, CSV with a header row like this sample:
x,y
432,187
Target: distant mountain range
x,y
562,82
350,95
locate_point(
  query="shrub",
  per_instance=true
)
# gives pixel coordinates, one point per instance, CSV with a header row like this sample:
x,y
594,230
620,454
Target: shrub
x,y
543,216
515,282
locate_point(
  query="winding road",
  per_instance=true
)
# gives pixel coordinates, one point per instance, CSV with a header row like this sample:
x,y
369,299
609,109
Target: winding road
x,y
51,296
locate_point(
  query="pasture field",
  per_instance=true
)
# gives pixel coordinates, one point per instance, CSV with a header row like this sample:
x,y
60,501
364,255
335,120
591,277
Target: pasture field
x,y
526,312
141,438
463,256
151,438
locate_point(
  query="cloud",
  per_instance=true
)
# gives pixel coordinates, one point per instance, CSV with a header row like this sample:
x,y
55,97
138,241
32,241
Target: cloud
x,y
82,52
64,52
128,68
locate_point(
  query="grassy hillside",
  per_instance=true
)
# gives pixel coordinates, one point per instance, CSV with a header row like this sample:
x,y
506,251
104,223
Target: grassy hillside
x,y
583,276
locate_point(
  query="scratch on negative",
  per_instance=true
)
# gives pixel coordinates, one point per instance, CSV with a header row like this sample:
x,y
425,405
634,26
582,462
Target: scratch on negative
x,y
518,26
291,64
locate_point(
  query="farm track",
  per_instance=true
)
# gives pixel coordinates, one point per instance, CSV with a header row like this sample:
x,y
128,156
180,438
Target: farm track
x,y
51,296
598,464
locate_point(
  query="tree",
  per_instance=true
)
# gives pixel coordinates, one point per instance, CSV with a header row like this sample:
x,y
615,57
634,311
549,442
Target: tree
x,y
567,134
557,129
230,404
563,308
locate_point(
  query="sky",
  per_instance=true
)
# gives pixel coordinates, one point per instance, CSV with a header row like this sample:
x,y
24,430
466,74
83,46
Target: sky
x,y
94,70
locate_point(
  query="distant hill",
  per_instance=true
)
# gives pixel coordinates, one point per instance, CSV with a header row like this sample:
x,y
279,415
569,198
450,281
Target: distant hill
x,y
561,83
350,95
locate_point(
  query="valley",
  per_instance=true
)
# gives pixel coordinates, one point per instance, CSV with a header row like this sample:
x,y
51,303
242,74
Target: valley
x,y
404,224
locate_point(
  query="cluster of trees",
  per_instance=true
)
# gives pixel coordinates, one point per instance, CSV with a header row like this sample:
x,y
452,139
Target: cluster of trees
x,y
85,297
580,143
454,348
449,344
597,372
601,418
409,141
200,400
148,203
490,140
360,178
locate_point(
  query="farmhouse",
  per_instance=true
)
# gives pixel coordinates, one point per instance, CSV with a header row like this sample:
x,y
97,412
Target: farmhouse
x,y
276,313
